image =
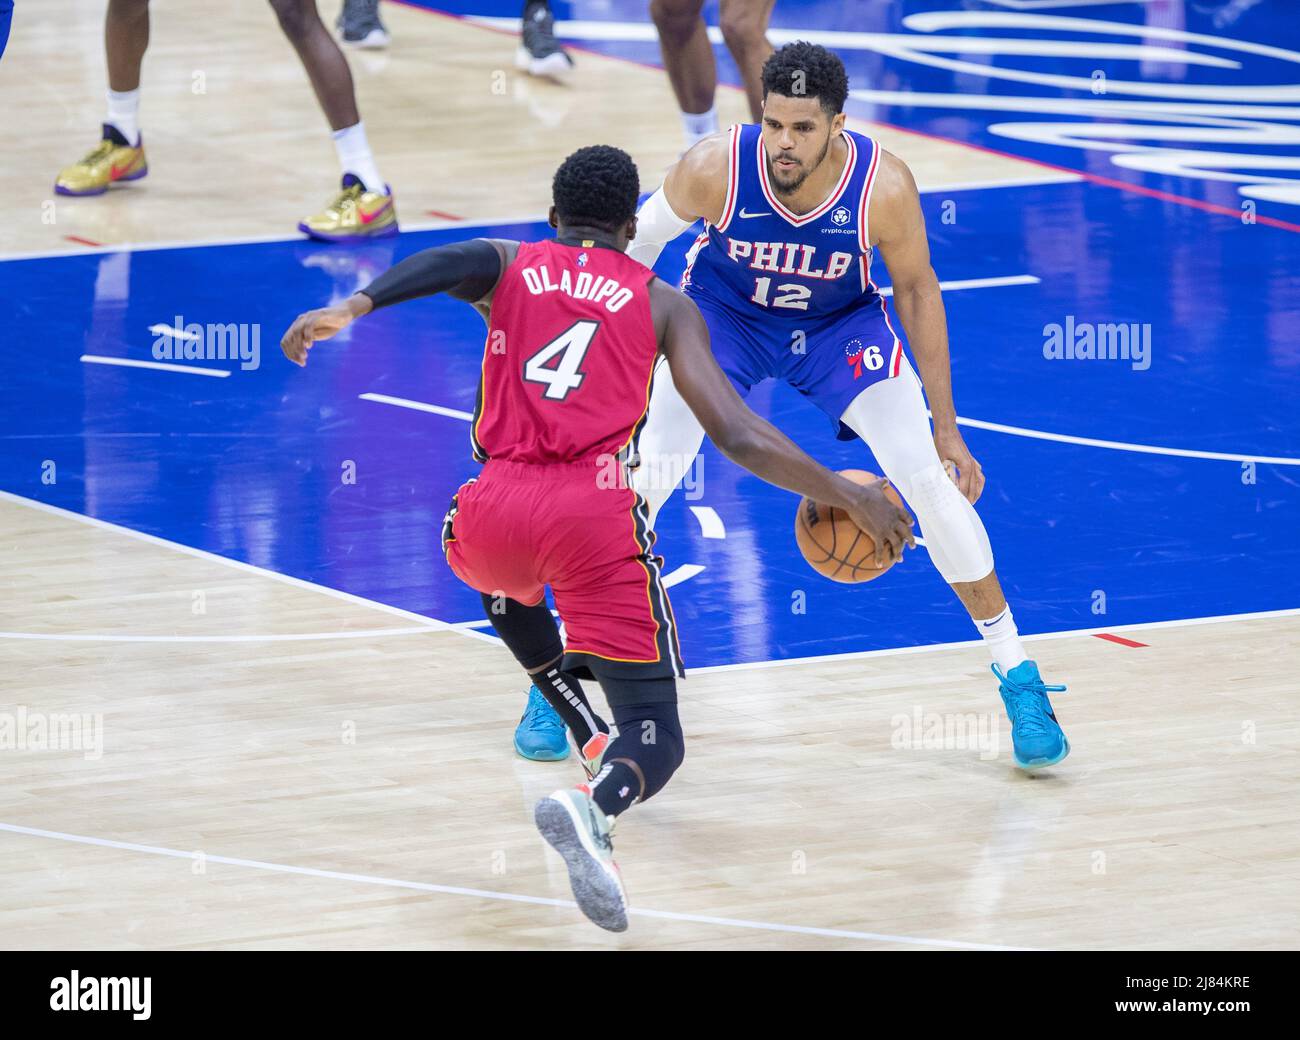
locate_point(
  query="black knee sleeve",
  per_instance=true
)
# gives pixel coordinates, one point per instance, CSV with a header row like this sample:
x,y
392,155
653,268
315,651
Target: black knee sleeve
x,y
650,735
530,633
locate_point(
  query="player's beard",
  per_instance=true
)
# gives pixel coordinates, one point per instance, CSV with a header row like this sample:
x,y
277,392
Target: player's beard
x,y
790,187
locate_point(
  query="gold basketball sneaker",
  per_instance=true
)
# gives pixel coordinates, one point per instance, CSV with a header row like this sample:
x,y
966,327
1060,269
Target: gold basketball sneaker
x,y
111,160
354,215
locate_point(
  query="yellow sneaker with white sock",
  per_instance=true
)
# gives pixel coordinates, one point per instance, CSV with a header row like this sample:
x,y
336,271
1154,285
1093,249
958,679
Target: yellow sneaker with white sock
x,y
355,214
110,160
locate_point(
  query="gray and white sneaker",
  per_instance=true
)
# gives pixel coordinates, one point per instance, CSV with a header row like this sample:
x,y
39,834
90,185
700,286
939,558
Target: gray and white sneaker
x,y
573,824
540,53
359,25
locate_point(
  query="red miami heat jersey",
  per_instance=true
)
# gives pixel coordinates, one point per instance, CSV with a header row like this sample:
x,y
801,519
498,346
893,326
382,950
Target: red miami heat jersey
x,y
569,355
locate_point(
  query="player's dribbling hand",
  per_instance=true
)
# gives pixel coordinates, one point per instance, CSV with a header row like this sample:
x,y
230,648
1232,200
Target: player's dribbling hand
x,y
970,475
888,525
321,323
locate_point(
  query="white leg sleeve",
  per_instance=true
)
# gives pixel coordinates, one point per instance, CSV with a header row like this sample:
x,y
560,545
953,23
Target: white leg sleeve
x,y
668,443
890,417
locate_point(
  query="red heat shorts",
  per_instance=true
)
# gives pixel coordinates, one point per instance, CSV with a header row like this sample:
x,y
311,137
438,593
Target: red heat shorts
x,y
518,527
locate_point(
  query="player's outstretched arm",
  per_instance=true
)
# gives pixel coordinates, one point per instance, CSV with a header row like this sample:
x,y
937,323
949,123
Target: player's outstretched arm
x,y
695,187
468,271
756,444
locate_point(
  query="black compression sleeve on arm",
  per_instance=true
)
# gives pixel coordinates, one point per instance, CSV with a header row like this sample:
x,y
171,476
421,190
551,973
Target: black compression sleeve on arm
x,y
467,270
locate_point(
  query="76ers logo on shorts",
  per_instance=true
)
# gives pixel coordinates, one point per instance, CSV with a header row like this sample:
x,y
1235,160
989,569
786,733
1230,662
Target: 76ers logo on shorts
x,y
840,217
860,357
853,355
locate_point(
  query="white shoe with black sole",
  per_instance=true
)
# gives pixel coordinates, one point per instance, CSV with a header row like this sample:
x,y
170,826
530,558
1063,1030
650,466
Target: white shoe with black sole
x,y
574,826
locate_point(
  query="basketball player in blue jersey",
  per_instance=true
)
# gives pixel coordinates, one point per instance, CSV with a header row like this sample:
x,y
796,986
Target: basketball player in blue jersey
x,y
794,210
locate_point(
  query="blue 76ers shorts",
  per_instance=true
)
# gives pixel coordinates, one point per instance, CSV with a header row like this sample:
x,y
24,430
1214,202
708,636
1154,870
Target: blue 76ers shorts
x,y
829,359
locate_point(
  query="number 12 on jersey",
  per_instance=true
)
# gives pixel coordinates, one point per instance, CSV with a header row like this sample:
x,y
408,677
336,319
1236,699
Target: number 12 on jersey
x,y
567,351
793,295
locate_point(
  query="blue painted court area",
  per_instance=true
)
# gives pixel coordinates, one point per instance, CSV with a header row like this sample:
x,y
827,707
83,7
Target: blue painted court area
x,y
252,466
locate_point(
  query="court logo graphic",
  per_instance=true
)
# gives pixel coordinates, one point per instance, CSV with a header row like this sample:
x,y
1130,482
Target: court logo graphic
x,y
233,341
1089,341
73,993
841,216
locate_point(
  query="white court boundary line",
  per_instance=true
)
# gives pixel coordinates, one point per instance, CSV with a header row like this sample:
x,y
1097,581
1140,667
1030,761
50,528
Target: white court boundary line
x,y
508,897
1043,5
1139,626
1146,449
978,424
976,283
248,568
1019,181
926,648
291,637
170,330
417,406
585,30
123,362
465,627
253,240
1016,181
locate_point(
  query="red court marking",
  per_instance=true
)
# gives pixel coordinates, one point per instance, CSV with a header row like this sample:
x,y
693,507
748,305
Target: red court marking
x,y
1117,639
1109,182
82,241
444,216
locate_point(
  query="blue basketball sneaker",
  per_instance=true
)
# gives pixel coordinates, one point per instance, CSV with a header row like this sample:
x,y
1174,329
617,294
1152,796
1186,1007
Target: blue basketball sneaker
x,y
1036,736
540,734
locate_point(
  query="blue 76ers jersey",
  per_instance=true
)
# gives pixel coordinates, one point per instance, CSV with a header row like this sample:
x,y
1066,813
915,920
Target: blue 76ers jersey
x,y
789,296
763,257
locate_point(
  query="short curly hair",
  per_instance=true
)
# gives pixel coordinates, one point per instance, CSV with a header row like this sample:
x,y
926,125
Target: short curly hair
x,y
803,69
597,186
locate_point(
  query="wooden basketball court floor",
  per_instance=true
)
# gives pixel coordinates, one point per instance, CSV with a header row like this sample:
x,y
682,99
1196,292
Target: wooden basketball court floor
x,y
269,763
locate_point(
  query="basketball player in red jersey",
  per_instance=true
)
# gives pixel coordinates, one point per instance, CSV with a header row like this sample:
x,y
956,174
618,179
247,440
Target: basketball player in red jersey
x,y
574,331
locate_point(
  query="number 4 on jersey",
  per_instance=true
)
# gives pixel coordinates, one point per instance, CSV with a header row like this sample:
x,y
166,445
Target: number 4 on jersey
x,y
567,351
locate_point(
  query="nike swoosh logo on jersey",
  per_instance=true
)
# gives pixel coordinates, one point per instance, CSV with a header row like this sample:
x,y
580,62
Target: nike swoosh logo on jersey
x,y
745,215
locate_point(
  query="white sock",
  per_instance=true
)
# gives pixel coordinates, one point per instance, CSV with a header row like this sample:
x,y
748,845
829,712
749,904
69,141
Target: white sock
x,y
700,125
124,114
1003,640
355,157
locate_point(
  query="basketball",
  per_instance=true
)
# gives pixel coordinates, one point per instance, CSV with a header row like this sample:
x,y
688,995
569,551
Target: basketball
x,y
834,546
